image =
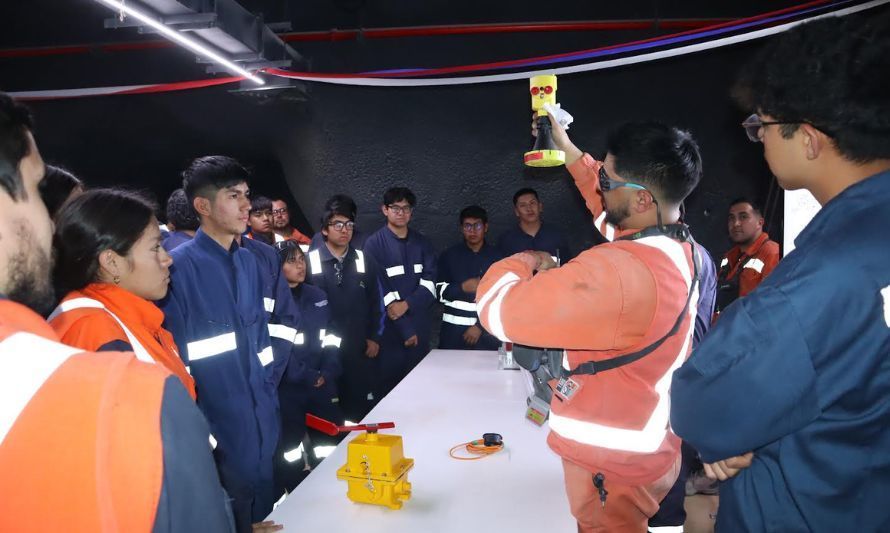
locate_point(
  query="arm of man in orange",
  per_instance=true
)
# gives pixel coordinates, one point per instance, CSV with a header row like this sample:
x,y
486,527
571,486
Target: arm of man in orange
x,y
585,171
603,299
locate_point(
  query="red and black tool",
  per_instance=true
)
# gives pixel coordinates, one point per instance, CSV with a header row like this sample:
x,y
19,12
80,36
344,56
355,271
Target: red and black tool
x,y
329,428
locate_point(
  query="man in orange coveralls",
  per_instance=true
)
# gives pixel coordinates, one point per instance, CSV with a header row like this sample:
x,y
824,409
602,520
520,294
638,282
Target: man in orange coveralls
x,y
752,257
624,311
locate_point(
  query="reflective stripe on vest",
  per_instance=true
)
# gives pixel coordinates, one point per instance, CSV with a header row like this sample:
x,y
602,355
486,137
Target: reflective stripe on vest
x,y
607,230
359,262
495,295
397,270
459,320
648,439
418,268
314,262
755,264
26,361
211,346
89,303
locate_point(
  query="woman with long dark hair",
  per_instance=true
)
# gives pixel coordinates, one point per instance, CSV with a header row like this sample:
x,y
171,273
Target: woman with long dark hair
x,y
110,266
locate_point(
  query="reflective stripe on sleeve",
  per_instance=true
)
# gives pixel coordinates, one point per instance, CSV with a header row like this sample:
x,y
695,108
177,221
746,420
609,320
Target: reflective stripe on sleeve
x,y
430,286
391,297
458,320
490,303
265,355
397,270
269,304
211,346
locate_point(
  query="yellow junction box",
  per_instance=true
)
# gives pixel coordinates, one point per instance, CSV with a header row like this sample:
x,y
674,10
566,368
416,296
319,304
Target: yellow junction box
x,y
376,470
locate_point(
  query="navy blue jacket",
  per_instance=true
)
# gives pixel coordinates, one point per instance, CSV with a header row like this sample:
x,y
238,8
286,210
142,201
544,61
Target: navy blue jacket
x,y
322,342
408,272
354,299
456,265
285,328
798,372
214,309
174,239
547,239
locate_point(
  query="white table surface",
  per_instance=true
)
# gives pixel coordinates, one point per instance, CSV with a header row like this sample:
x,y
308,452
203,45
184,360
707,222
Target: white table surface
x,y
451,397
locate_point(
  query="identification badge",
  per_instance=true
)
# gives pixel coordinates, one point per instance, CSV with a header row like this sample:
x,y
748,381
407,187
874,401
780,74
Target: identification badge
x,y
566,388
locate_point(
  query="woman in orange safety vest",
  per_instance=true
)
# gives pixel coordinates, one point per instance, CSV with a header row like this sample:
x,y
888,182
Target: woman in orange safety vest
x,y
111,266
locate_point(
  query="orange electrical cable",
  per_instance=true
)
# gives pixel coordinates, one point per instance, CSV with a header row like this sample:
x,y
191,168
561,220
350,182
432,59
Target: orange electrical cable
x,y
477,448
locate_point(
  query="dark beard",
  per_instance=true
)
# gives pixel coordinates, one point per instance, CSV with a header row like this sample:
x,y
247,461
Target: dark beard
x,y
616,216
29,282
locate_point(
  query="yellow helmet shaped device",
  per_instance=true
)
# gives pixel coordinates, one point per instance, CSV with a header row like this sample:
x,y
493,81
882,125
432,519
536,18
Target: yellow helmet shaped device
x,y
545,152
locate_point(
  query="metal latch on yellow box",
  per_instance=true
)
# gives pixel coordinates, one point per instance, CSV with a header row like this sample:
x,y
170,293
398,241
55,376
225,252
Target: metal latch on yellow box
x,y
376,470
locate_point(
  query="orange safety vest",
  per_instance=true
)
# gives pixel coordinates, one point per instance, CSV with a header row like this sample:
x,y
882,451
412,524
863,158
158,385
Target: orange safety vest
x,y
101,313
80,436
611,300
755,263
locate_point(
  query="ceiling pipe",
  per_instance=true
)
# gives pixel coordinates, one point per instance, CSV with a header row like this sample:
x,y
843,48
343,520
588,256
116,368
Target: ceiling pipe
x,y
390,33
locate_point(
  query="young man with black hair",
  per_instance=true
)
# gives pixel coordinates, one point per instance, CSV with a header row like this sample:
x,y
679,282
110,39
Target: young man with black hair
x,y
530,232
407,264
625,313
752,257
88,441
281,224
460,269
215,311
260,221
182,221
350,278
788,392
346,205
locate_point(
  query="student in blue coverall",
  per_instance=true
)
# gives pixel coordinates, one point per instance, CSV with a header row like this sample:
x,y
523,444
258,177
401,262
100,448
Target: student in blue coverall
x,y
314,390
214,309
787,396
347,205
351,280
460,269
530,232
407,264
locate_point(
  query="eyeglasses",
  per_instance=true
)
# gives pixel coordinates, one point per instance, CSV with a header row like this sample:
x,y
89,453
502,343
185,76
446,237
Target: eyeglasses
x,y
400,209
754,126
476,226
281,211
608,184
340,225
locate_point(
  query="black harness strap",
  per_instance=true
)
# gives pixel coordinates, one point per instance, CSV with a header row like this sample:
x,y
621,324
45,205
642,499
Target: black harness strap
x,y
679,232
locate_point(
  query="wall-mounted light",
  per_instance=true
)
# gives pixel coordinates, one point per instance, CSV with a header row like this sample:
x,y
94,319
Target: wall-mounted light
x,y
174,35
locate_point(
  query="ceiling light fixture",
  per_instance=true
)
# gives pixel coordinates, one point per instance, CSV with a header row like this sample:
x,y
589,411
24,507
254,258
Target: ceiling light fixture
x,y
189,43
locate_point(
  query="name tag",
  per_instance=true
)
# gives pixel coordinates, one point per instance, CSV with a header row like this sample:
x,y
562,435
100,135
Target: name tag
x,y
567,388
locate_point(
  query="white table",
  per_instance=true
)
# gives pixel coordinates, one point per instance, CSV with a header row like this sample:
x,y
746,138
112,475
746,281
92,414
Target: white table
x,y
450,398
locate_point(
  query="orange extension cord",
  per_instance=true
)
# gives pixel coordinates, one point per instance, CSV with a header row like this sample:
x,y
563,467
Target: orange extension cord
x,y
477,448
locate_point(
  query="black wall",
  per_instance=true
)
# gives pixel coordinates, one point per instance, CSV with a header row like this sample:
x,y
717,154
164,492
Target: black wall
x,y
453,145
